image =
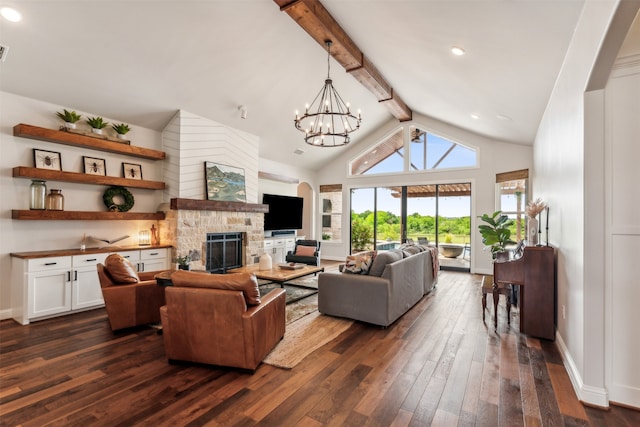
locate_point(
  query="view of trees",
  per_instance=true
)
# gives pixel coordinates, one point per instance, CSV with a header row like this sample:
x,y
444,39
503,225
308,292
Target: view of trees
x,y
417,226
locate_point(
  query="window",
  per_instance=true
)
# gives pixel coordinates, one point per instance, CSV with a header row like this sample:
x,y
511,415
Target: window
x,y
427,151
386,156
331,205
511,193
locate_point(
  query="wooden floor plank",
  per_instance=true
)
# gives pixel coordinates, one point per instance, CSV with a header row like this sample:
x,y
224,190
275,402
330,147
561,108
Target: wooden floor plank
x,y
437,365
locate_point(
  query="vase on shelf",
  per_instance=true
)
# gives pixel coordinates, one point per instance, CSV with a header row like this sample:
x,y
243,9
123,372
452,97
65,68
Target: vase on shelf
x,y
38,195
532,227
55,200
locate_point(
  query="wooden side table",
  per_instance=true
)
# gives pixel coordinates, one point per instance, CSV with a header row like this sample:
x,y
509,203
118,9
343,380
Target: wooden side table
x,y
488,286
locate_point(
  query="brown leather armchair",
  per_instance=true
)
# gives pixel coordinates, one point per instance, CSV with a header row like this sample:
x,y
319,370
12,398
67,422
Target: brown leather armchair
x,y
131,304
209,319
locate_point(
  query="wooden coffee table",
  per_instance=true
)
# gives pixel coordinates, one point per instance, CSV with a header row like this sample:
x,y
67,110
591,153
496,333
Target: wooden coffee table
x,y
277,274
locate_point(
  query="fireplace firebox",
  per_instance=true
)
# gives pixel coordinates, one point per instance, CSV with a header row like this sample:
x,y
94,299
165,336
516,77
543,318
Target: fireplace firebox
x,y
224,252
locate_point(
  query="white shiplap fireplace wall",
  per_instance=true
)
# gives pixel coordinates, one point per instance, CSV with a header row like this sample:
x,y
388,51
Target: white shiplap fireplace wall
x,y
190,140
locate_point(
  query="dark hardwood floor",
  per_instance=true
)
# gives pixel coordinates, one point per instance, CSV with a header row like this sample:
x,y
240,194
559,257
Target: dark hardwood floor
x,y
437,365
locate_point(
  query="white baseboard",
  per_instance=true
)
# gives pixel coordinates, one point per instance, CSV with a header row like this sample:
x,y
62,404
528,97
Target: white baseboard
x,y
6,314
596,396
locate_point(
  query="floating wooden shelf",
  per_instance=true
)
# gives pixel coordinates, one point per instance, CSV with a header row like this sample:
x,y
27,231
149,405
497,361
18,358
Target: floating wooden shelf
x,y
77,140
84,216
83,178
215,205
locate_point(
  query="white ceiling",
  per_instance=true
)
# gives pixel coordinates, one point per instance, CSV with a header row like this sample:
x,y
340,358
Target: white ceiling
x,y
140,61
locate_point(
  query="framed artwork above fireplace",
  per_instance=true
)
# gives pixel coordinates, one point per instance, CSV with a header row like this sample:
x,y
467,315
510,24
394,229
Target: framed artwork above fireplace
x,y
224,182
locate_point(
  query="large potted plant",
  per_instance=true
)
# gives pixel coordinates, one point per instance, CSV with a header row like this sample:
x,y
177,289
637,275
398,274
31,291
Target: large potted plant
x,y
496,234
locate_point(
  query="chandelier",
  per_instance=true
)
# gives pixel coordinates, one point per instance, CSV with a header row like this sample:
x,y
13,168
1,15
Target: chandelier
x,y
328,121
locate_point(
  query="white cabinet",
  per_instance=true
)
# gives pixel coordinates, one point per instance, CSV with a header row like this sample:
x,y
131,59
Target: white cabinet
x,y
45,287
154,259
44,284
275,248
278,247
148,259
48,286
85,289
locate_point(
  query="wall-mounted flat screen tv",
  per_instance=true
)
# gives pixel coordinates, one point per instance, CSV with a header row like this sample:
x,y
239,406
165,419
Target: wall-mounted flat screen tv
x,y
285,212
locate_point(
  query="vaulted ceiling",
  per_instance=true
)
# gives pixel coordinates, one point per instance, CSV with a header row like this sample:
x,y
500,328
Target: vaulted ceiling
x,y
140,61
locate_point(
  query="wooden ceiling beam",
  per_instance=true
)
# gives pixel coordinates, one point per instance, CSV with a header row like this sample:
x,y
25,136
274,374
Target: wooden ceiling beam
x,y
316,20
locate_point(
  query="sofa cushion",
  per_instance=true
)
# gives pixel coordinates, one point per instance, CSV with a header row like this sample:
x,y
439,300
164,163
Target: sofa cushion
x,y
411,250
305,250
121,270
245,282
359,263
382,259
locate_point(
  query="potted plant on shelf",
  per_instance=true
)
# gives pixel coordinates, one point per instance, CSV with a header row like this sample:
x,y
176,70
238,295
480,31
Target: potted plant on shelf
x,y
496,234
121,129
97,124
69,117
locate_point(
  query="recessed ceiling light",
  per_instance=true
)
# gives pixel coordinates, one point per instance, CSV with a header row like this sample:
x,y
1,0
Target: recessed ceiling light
x,y
458,51
475,116
11,14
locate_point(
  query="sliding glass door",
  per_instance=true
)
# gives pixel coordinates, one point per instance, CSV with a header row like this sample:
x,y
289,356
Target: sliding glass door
x,y
436,214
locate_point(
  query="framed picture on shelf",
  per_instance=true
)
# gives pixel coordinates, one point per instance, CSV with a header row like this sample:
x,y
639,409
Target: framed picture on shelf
x,y
224,183
131,171
94,166
43,159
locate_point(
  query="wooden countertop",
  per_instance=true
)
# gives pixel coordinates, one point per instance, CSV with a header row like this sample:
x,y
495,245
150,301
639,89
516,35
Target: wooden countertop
x,y
69,252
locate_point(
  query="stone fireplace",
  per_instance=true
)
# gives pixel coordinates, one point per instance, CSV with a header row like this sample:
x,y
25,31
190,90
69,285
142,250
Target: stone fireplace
x,y
188,222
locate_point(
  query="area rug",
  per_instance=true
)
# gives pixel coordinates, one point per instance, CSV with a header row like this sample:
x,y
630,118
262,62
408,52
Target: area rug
x,y
304,336
294,293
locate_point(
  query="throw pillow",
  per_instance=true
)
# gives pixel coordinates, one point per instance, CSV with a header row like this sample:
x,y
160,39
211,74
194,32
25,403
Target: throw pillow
x,y
120,269
305,250
245,282
382,259
359,263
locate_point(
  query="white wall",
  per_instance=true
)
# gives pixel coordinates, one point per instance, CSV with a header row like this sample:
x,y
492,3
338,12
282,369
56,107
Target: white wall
x,y
305,178
189,140
21,235
622,232
568,175
493,156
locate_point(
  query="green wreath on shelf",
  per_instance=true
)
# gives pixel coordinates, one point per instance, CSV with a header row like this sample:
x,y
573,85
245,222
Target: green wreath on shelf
x,y
114,191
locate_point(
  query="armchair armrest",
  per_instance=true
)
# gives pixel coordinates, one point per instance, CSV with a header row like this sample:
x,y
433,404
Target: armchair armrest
x,y
148,275
264,325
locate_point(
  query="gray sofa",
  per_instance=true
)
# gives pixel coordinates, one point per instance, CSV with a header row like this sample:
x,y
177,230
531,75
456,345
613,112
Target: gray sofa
x,y
396,281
